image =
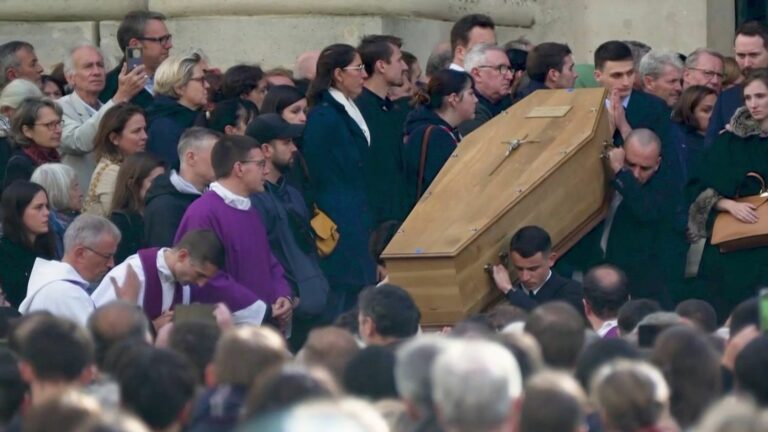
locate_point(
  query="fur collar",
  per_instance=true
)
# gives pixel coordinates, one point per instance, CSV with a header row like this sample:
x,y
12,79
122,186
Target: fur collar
x,y
743,125
698,213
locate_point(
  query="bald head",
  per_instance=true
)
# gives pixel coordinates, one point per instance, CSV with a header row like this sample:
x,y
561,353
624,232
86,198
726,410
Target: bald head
x,y
329,347
115,322
643,154
306,65
605,291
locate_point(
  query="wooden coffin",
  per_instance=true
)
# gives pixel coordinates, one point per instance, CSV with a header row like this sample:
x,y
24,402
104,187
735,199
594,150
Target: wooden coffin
x,y
555,179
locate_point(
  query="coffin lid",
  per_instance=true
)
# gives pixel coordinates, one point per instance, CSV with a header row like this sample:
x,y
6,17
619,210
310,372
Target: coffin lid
x,y
479,184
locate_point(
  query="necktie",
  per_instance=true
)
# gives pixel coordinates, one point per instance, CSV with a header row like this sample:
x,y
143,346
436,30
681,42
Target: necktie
x,y
531,295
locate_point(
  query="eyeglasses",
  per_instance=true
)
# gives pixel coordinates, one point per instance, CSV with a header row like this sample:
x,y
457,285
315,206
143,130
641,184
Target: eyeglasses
x,y
105,256
709,73
358,68
502,68
261,163
162,40
201,79
52,125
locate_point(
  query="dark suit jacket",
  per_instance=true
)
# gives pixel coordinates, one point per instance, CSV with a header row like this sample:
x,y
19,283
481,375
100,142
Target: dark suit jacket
x,y
142,99
556,288
727,104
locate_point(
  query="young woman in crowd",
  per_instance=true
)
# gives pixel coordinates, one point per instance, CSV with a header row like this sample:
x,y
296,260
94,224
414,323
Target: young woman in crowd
x,y
246,82
26,236
52,87
135,176
64,195
231,116
122,132
691,115
36,134
447,102
10,99
719,179
291,104
336,138
181,93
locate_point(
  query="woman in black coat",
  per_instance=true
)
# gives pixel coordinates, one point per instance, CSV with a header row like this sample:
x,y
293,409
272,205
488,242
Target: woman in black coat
x,y
336,139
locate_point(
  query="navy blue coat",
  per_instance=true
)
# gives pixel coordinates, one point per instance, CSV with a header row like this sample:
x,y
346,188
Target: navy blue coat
x,y
334,149
167,119
727,103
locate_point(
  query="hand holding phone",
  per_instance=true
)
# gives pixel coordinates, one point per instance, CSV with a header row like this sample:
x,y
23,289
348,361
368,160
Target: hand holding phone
x,y
133,57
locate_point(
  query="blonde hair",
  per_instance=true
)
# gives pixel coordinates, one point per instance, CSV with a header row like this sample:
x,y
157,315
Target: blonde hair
x,y
55,178
176,71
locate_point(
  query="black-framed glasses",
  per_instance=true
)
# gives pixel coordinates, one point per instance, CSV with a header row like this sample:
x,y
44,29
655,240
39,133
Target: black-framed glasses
x,y
201,79
102,255
52,125
502,68
162,40
358,68
261,163
709,73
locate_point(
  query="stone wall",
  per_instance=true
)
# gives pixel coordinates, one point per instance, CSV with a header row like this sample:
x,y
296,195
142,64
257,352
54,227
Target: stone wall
x,y
274,32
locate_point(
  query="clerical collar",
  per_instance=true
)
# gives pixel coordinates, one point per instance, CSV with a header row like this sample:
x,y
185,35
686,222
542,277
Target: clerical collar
x,y
231,199
536,290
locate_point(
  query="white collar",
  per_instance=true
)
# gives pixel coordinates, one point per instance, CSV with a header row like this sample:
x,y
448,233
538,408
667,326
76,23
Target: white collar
x,y
230,198
182,185
163,271
536,290
607,326
352,110
91,110
454,66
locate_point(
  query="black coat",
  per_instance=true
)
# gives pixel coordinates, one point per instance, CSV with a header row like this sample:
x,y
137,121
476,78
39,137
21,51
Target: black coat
x,y
143,98
556,288
484,111
16,262
20,167
131,226
441,143
167,119
165,206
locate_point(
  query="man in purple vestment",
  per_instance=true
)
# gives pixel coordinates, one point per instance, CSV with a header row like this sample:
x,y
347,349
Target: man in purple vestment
x,y
251,273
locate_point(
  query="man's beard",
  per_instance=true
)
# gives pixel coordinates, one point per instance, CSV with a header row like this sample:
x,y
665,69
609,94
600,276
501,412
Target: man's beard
x,y
283,167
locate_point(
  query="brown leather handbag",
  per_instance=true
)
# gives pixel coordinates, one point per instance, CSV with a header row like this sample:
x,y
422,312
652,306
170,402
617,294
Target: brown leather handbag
x,y
730,234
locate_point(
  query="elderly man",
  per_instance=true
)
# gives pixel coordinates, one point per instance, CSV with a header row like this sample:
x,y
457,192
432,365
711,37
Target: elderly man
x,y
467,32
145,30
59,287
306,65
489,66
704,67
660,73
82,110
18,60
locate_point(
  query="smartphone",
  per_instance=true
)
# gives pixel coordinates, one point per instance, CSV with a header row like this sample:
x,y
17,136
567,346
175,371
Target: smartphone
x,y
764,310
133,57
194,312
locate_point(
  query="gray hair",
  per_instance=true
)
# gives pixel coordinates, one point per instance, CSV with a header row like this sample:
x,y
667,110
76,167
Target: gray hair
x,y
476,56
437,61
56,179
194,138
521,43
69,61
412,368
734,414
8,57
630,395
26,115
175,71
654,62
475,383
18,90
693,58
638,49
86,230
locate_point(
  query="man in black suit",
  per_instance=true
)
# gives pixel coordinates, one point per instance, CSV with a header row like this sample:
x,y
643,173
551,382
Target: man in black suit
x,y
530,252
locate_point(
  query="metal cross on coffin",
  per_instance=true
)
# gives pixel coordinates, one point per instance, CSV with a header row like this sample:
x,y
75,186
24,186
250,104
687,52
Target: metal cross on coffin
x,y
512,145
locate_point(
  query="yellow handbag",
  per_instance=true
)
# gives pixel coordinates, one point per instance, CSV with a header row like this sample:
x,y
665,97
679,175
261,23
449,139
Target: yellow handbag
x,y
326,232
730,234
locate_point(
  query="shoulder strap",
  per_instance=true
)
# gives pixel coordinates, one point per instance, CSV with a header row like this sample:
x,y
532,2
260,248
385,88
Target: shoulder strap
x,y
423,160
755,176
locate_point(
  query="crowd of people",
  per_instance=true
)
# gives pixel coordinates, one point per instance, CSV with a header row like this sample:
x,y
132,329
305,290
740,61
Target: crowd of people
x,y
186,248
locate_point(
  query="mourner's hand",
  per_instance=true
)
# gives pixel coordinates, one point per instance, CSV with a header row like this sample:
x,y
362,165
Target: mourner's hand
x,y
616,159
737,343
129,290
282,310
744,212
501,278
618,115
223,316
162,320
129,84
